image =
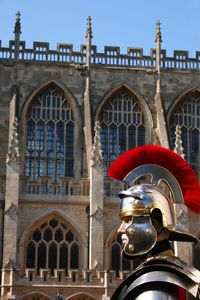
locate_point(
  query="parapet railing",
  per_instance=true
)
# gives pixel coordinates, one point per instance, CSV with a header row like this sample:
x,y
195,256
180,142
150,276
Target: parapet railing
x,y
64,54
66,187
45,186
86,277
62,187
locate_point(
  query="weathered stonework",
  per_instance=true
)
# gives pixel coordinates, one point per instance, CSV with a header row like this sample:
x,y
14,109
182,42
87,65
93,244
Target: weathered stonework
x,y
88,79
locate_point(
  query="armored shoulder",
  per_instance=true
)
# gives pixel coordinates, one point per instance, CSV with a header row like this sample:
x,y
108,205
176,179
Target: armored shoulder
x,y
160,277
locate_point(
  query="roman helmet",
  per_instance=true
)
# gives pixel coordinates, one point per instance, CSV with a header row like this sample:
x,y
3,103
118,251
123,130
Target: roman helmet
x,y
171,182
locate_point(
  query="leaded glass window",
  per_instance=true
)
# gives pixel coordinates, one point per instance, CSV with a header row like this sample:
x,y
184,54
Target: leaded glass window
x,y
187,116
122,126
50,136
53,245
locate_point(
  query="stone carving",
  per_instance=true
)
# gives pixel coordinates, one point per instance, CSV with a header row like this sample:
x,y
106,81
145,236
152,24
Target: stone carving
x,y
13,153
158,33
182,217
96,154
89,27
178,142
98,213
98,264
17,29
12,210
10,264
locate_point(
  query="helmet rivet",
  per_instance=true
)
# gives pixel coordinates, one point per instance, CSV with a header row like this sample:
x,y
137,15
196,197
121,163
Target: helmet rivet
x,y
131,230
130,247
148,231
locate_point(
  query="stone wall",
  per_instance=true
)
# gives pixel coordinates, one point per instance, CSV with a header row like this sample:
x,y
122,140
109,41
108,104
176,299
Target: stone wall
x,y
31,71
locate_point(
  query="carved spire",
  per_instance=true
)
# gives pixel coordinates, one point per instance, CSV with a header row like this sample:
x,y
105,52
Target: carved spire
x,y
17,29
178,142
96,154
158,47
161,123
13,153
89,28
17,32
88,42
158,33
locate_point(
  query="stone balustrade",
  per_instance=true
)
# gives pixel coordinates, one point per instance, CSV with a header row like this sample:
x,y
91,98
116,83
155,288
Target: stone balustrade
x,y
112,188
65,187
64,54
102,280
89,278
45,186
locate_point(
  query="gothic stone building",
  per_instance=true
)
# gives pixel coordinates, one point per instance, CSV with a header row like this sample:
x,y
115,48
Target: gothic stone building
x,y
65,115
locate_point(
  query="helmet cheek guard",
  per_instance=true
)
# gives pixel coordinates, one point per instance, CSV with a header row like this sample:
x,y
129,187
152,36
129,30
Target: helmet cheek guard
x,y
142,237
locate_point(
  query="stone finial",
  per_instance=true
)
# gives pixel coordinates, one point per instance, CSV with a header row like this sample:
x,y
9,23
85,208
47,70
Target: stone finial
x,y
98,264
13,153
178,142
96,154
12,210
98,214
158,53
158,33
11,264
89,28
17,29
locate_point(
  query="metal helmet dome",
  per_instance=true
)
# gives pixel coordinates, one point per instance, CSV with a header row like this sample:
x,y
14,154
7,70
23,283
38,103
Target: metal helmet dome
x,y
143,199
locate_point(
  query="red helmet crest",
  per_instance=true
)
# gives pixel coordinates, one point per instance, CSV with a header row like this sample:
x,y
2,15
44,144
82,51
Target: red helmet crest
x,y
165,158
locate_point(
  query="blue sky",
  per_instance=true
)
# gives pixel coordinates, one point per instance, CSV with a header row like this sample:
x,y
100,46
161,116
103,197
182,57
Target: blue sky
x,y
124,23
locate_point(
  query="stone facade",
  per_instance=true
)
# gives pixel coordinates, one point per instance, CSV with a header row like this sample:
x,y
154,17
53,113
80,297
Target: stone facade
x,y
88,80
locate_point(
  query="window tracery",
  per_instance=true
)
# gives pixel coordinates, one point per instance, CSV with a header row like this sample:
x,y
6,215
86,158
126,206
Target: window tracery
x,y
122,125
187,116
50,136
53,245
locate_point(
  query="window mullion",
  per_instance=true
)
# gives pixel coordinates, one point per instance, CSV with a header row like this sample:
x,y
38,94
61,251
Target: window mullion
x,y
54,151
65,143
45,148
69,256
47,255
58,256
36,256
34,155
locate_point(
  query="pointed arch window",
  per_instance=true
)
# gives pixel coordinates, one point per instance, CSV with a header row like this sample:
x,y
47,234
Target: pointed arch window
x,y
122,125
50,136
53,245
187,116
